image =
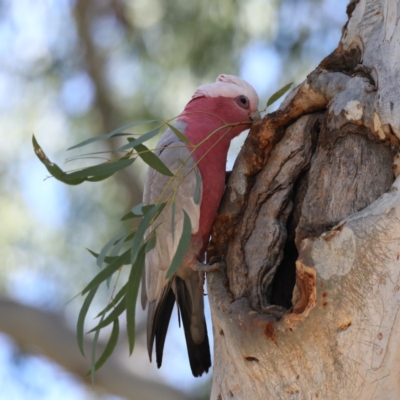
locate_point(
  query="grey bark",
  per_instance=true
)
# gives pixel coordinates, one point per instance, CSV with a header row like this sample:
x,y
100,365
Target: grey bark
x,y
309,229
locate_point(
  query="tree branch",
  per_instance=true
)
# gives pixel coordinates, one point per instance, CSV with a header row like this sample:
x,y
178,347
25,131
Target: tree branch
x,y
35,329
95,66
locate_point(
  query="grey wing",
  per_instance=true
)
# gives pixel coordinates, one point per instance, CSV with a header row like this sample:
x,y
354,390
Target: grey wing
x,y
179,191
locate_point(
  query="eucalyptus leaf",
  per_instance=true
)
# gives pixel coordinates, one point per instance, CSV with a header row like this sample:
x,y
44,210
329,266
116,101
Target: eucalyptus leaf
x,y
107,259
118,246
116,132
147,208
108,271
105,169
114,314
144,224
278,94
54,169
111,344
94,173
178,133
81,318
132,290
151,243
130,237
183,246
129,215
137,211
197,190
113,302
132,214
93,354
173,209
106,248
98,178
152,160
143,138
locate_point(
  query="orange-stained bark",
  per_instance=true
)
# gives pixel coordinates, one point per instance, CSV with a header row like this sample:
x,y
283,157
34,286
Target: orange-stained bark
x,y
309,229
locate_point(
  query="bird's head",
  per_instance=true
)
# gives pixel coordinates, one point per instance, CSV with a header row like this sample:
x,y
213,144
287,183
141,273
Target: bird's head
x,y
229,97
220,111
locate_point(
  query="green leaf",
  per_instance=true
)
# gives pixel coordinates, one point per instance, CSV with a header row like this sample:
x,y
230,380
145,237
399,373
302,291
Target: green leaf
x,y
116,132
197,190
152,160
93,353
54,169
112,342
173,206
144,224
113,302
137,211
114,314
106,248
134,142
132,290
95,173
81,318
278,94
129,215
98,178
107,260
108,271
178,133
126,133
183,245
105,169
118,246
130,237
146,208
151,243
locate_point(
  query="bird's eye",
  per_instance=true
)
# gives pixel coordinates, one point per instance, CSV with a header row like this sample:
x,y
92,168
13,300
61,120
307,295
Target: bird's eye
x,y
242,101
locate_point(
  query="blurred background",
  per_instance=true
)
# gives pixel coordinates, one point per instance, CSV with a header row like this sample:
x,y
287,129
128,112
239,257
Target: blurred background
x,y
70,70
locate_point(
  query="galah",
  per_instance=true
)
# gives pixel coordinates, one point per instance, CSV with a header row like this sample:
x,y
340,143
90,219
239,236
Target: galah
x,y
216,114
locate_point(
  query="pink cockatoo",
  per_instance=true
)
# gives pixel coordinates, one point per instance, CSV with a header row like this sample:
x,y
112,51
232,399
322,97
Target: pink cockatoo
x,y
229,101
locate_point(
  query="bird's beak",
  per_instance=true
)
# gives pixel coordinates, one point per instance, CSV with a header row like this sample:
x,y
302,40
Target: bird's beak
x,y
255,116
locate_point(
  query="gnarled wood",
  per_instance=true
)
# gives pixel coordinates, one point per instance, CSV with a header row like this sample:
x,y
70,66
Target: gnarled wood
x,y
343,168
310,231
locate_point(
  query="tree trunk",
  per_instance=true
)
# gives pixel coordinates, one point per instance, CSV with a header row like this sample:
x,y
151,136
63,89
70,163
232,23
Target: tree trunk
x,y
310,231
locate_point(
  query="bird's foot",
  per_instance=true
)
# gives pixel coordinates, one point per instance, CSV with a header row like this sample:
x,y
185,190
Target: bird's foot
x,y
203,268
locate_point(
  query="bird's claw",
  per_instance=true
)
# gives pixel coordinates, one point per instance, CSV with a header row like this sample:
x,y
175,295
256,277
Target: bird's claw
x,y
203,268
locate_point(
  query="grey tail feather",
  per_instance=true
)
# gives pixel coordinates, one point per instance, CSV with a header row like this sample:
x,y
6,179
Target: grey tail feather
x,y
158,317
199,354
150,328
157,325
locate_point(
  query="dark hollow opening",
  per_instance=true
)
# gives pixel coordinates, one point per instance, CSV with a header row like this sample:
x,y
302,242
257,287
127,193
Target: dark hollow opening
x,y
281,289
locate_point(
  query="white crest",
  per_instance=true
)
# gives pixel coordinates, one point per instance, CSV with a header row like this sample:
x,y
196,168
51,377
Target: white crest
x,y
229,86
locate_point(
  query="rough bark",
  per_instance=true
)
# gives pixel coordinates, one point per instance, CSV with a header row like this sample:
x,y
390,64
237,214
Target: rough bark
x,y
309,229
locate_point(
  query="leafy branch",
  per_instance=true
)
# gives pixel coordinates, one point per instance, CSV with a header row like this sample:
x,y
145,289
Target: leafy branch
x,y
130,248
